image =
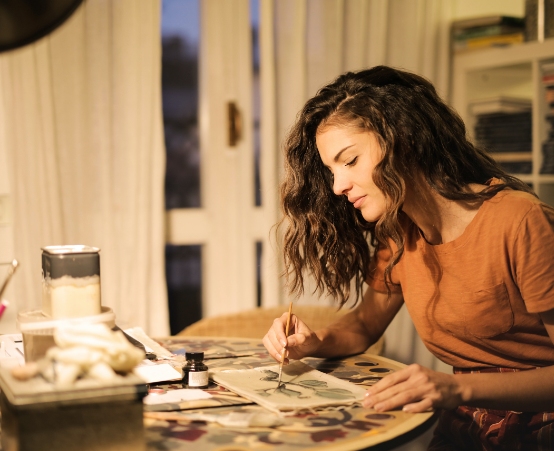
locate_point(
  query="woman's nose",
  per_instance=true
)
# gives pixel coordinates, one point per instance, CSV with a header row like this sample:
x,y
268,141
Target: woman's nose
x,y
341,184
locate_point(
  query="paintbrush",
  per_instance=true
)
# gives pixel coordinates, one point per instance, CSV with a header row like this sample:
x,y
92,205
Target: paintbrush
x,y
13,266
284,347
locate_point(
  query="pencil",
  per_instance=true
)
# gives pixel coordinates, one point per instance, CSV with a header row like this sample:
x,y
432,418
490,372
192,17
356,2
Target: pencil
x,y
284,347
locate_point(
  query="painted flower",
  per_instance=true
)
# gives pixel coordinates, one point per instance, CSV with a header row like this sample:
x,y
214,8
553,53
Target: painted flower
x,y
328,435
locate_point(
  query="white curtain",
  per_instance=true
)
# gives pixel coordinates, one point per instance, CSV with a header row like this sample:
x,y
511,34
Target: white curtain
x,y
317,40
84,141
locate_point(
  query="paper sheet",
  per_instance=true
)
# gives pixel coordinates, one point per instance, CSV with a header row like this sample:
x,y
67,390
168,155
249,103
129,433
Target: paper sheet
x,y
157,373
302,389
149,344
175,396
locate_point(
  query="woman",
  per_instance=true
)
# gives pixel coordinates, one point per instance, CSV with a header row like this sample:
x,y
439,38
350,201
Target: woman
x,y
376,157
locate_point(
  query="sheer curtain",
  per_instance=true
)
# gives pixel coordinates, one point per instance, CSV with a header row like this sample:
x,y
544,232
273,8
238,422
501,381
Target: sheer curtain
x,y
316,40
84,144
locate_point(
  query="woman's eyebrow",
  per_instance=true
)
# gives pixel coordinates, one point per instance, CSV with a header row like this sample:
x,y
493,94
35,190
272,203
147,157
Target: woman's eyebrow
x,y
337,156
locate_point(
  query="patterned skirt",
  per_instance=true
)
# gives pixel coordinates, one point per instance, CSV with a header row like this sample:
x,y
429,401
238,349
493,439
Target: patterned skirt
x,y
472,428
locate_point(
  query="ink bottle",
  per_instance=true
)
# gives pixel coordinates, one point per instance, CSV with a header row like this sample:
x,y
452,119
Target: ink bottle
x,y
195,372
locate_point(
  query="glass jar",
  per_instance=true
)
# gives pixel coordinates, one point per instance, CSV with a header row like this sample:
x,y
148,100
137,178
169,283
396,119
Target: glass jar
x,y
70,281
195,372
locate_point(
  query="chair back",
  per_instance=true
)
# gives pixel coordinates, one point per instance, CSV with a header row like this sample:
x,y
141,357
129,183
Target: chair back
x,y
256,322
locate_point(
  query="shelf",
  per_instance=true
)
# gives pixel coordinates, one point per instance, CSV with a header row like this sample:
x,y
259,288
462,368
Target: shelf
x,y
512,71
502,56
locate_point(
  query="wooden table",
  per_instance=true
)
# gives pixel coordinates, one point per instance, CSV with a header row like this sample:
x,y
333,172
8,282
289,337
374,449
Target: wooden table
x,y
355,428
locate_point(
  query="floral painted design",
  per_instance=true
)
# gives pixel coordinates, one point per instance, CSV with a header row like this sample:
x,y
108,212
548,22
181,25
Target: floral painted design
x,y
317,387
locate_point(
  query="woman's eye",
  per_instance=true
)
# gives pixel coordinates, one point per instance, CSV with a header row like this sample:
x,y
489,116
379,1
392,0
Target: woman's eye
x,y
352,162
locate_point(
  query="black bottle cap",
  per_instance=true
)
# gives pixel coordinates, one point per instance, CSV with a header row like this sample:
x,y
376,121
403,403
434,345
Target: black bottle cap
x,y
196,356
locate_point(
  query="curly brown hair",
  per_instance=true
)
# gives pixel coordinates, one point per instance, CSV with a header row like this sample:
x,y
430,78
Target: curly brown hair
x,y
419,134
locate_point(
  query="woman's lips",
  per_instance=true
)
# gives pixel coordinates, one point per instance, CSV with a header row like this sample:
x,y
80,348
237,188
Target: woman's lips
x,y
358,202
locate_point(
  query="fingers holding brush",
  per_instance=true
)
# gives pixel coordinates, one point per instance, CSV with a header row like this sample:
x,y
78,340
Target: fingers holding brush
x,y
300,341
275,340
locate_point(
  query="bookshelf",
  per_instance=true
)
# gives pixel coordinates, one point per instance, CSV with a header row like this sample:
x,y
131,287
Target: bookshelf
x,y
516,72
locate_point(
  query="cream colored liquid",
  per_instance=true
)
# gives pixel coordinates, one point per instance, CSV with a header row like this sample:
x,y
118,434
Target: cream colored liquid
x,y
72,297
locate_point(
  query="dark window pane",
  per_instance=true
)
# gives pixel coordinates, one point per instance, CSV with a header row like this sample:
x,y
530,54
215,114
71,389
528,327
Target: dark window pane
x,y
184,285
180,46
180,51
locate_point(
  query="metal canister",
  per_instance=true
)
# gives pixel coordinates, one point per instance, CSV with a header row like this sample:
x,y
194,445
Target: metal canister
x,y
70,281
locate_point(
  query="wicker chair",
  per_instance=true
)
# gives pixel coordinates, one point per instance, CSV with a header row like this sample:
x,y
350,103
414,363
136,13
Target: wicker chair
x,y
255,323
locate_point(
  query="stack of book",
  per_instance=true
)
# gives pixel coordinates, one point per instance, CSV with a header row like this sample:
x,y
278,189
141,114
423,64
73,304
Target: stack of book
x,y
547,166
503,127
539,20
487,31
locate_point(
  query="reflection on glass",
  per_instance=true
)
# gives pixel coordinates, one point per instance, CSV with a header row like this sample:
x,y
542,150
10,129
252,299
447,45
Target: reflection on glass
x,y
180,47
183,272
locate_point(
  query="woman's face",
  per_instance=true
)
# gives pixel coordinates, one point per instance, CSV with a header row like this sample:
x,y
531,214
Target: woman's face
x,y
351,155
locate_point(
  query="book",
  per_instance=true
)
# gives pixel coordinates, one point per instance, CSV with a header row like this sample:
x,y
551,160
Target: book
x,y
500,104
547,166
517,167
479,32
547,68
532,21
503,147
548,18
510,157
488,41
504,120
533,31
548,79
485,21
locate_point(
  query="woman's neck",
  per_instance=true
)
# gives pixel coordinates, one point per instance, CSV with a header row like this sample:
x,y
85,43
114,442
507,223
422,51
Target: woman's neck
x,y
440,220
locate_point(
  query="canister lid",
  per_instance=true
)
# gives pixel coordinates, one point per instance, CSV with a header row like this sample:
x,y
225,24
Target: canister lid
x,y
70,260
70,249
195,356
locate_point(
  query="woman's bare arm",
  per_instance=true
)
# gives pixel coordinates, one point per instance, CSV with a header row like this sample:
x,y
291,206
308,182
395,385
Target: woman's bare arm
x,y
353,333
418,389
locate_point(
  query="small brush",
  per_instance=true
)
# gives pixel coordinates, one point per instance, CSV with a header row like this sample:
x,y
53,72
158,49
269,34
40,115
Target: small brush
x,y
13,266
284,347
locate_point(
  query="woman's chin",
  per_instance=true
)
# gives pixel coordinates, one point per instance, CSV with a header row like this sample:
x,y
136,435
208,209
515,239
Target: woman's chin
x,y
370,215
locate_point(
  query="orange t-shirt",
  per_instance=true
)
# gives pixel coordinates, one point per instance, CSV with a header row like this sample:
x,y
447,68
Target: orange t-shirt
x,y
475,301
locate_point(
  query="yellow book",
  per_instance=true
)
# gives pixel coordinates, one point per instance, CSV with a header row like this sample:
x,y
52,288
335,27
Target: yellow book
x,y
489,41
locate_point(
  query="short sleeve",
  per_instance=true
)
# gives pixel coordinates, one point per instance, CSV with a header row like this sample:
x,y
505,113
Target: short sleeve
x,y
533,260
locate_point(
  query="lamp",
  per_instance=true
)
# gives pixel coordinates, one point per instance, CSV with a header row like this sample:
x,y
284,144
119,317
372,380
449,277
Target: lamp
x,y
25,21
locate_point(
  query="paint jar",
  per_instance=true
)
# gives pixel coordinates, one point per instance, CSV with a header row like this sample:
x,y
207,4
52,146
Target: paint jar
x,y
195,372
70,281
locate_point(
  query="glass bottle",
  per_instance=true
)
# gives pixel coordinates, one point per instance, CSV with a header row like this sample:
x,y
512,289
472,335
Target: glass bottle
x,y
70,281
195,372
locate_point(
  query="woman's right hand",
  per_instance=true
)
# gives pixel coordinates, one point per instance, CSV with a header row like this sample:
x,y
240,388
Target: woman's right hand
x,y
301,342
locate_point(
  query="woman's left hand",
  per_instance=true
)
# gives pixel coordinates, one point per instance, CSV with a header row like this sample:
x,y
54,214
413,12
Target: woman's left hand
x,y
415,389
